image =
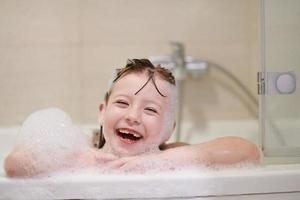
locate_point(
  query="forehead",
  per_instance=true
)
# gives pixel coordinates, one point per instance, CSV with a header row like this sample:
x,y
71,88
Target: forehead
x,y
133,82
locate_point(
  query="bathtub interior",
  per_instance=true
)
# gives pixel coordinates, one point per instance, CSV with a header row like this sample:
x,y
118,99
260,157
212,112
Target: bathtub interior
x,y
197,183
243,128
8,139
264,182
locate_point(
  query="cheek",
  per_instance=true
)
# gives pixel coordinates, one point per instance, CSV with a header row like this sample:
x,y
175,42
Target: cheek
x,y
166,125
154,125
111,117
168,122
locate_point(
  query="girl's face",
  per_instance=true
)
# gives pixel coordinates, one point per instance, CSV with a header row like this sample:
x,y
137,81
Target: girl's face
x,y
135,124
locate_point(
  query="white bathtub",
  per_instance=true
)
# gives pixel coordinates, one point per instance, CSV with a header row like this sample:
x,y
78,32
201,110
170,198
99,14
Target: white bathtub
x,y
263,182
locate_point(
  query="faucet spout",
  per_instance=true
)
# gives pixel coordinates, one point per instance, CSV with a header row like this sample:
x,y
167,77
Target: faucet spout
x,y
182,66
178,57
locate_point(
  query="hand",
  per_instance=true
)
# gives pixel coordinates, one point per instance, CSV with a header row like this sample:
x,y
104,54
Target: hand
x,y
93,158
140,164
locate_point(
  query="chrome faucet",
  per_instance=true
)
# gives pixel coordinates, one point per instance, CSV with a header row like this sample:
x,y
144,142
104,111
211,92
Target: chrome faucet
x,y
178,57
182,66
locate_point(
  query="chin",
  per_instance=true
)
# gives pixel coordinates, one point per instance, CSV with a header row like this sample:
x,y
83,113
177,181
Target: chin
x,y
127,153
131,152
122,150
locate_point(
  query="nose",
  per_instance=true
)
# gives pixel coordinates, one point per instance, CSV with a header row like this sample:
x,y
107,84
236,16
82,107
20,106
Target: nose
x,y
133,116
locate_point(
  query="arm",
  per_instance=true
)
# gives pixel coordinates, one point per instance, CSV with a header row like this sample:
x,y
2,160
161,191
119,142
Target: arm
x,y
218,152
221,151
22,162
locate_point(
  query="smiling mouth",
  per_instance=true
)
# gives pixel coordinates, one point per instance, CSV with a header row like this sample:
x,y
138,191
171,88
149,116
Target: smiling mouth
x,y
129,135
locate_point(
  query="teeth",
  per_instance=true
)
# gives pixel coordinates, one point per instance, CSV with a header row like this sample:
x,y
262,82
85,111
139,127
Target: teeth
x,y
136,135
129,133
124,131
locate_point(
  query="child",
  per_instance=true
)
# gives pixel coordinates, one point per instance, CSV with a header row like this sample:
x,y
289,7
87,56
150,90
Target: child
x,y
137,117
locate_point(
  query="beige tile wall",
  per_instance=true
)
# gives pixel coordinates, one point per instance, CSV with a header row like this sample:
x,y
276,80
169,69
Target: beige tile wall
x,y
62,52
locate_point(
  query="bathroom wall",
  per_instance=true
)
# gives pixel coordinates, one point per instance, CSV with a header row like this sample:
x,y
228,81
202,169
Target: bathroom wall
x,y
62,52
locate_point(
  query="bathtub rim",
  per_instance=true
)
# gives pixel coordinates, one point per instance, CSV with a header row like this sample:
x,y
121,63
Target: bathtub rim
x,y
262,180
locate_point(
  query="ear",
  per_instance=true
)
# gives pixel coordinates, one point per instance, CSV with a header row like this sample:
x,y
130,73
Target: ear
x,y
172,130
174,126
167,136
101,110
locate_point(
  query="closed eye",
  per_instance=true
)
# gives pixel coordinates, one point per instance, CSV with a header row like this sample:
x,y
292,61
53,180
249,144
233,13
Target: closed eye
x,y
152,110
122,103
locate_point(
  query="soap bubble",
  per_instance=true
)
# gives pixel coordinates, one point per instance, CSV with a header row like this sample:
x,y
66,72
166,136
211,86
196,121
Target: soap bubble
x,y
51,126
50,140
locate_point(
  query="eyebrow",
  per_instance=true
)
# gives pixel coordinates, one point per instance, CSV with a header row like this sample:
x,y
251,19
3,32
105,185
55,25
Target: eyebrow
x,y
153,102
144,101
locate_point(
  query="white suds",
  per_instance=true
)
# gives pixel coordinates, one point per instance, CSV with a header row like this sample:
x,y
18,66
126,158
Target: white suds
x,y
48,138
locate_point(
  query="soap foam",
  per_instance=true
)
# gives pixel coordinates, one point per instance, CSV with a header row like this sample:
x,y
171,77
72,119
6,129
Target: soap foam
x,y
49,139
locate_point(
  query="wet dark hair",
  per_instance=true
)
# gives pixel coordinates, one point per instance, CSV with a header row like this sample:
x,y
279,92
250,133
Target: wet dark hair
x,y
137,66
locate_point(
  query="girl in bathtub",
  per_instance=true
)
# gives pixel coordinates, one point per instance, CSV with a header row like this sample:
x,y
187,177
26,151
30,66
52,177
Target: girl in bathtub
x,y
137,117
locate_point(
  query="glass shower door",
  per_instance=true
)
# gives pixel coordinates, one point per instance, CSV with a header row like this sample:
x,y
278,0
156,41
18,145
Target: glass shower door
x,y
278,84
